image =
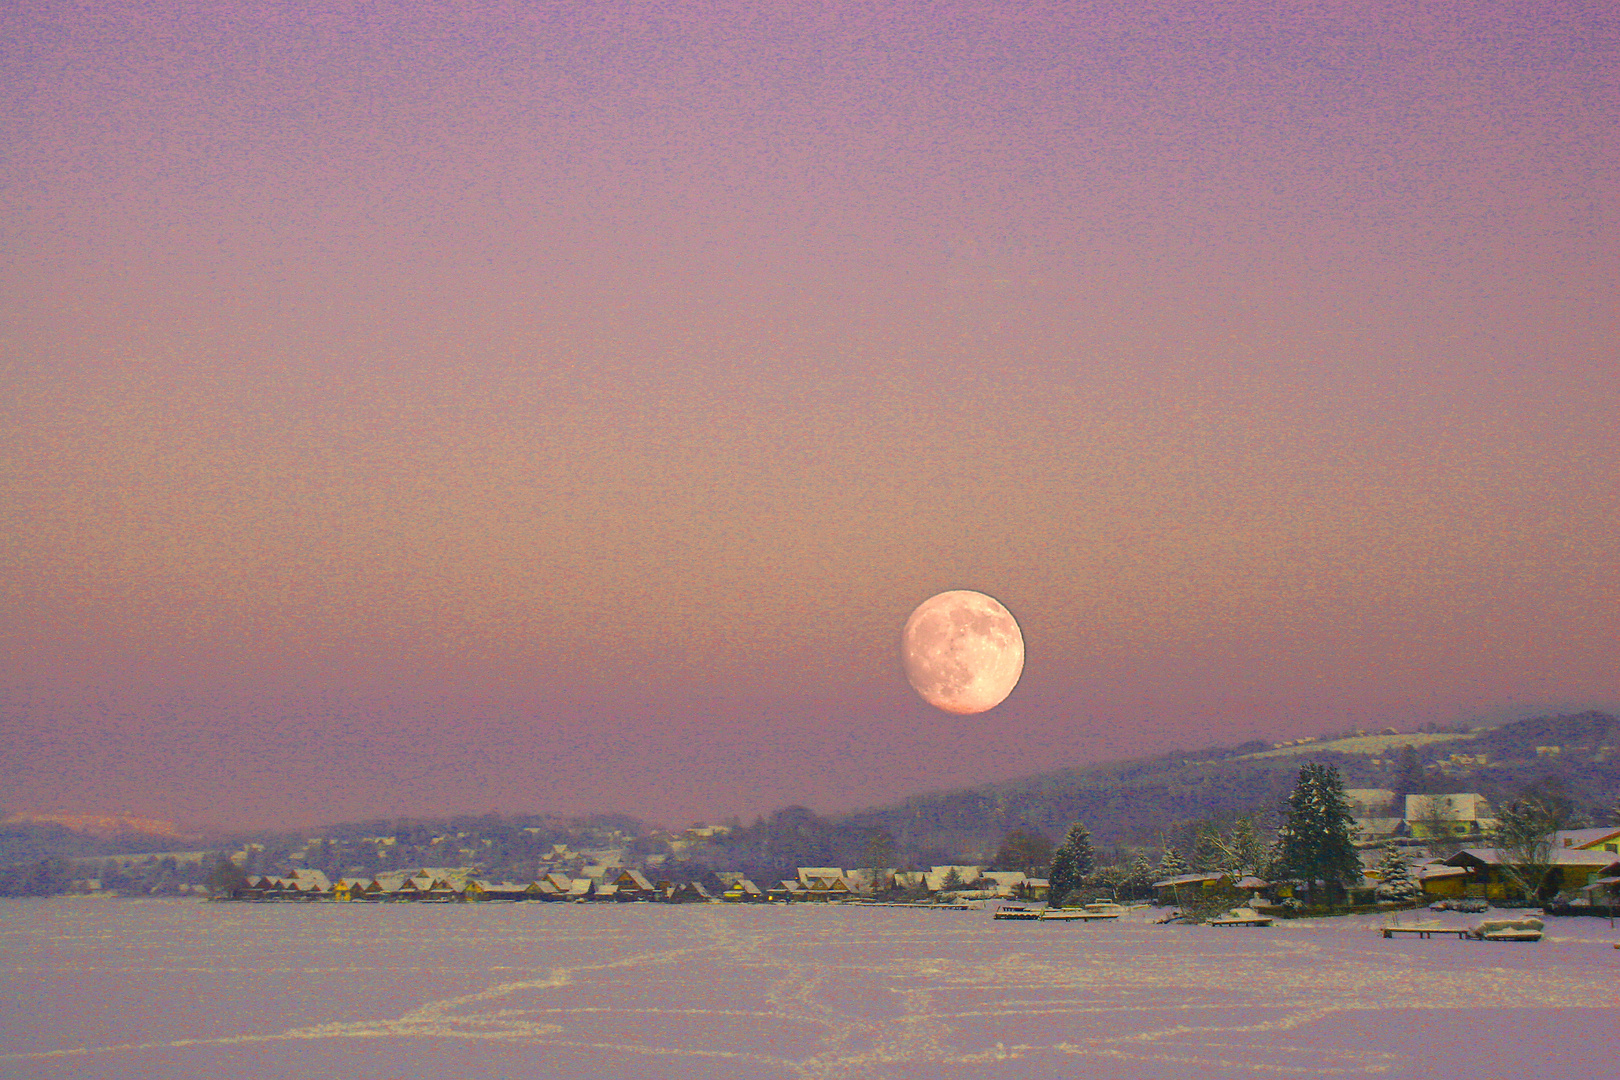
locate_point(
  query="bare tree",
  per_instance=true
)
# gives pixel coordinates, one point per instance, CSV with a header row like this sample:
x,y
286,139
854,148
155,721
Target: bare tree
x,y
1524,842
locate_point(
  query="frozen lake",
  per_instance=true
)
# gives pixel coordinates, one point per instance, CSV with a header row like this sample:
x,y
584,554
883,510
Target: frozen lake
x,y
178,988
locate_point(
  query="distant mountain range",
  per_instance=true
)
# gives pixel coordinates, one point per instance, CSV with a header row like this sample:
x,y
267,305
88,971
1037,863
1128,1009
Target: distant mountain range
x,y
1139,803
1135,803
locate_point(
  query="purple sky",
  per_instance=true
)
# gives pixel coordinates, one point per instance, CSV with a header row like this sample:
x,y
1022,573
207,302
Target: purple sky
x,y
425,408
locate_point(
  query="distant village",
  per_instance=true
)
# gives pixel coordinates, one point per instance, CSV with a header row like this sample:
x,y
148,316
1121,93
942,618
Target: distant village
x,y
1166,829
1440,838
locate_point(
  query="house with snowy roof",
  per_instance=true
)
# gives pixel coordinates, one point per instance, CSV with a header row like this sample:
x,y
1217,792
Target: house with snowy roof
x,y
691,892
739,889
1459,813
1570,870
939,878
788,889
1169,890
627,884
1606,838
1004,883
824,883
1440,880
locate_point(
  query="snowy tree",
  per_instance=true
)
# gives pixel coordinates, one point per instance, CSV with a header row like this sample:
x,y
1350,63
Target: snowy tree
x,y
1396,884
1316,844
1242,852
1110,878
1072,861
1140,878
1171,864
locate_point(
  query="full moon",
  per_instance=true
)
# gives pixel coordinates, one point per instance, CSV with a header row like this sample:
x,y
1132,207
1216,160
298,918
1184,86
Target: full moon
x,y
962,651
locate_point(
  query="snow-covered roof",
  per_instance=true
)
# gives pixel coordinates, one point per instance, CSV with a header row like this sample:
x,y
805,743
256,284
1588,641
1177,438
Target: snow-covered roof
x,y
1189,879
1006,877
965,875
1439,870
1582,838
1556,857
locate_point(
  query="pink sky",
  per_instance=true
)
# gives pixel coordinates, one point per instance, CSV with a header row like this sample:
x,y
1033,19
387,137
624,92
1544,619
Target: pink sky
x,y
427,408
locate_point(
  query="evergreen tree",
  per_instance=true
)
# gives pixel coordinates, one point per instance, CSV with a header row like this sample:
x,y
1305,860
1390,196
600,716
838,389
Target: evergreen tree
x,y
1245,852
1396,884
1111,878
1071,862
1171,864
1316,839
1139,880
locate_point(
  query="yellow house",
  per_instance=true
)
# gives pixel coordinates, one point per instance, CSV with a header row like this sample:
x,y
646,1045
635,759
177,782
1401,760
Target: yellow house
x,y
1604,839
1568,869
1172,889
1442,882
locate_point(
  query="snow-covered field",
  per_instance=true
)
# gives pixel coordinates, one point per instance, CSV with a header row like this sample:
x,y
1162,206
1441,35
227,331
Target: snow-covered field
x,y
170,988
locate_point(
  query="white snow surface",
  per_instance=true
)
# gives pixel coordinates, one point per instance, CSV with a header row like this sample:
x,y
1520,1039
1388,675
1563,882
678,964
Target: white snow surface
x,y
177,988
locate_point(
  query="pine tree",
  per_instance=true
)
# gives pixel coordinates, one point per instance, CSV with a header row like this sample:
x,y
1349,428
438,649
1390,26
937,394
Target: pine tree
x,y
1171,864
1397,885
1139,881
1316,838
1246,853
1072,861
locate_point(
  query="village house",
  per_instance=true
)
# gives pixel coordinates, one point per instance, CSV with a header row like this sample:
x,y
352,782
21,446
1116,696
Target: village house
x,y
1374,813
626,884
738,889
824,883
1433,817
1570,870
1601,839
949,878
1175,890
